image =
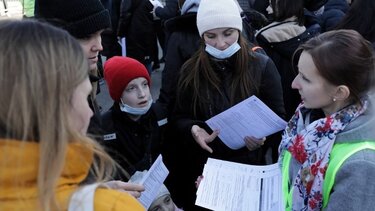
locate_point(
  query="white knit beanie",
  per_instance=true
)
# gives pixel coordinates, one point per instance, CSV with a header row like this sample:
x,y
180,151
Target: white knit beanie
x,y
214,14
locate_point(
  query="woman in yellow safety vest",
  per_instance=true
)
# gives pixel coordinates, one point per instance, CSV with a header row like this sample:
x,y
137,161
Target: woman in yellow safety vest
x,y
327,152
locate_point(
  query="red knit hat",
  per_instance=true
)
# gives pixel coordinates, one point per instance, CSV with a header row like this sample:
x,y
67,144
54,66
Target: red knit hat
x,y
119,71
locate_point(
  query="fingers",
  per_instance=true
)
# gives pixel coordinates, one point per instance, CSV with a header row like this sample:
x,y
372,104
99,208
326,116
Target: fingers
x,y
198,181
203,138
207,140
125,186
212,136
205,146
135,194
253,143
133,187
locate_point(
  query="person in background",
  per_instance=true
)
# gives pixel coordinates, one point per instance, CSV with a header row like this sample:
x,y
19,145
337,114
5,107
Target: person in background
x,y
131,131
110,42
334,11
327,152
223,72
162,11
280,39
84,20
163,201
136,24
45,153
166,9
360,17
183,42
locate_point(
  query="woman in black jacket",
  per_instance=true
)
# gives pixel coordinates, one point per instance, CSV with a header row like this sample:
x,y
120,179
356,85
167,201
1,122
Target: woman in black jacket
x,y
223,72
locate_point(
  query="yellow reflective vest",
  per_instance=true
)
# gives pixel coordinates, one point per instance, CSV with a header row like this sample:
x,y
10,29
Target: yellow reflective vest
x,y
340,152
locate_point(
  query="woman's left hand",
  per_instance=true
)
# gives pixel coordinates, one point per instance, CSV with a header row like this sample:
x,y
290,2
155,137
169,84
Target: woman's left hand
x,y
253,143
201,136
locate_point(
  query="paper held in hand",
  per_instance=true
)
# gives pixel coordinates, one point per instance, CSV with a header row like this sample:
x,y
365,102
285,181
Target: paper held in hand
x,y
229,186
250,117
152,181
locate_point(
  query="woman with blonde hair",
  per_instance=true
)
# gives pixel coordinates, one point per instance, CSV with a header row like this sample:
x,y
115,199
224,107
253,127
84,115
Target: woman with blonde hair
x,y
44,115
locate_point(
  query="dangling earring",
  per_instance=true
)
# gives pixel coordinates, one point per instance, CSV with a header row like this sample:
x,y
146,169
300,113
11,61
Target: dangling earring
x,y
334,99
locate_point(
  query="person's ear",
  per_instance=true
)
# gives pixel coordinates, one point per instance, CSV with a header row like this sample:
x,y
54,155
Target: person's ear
x,y
342,93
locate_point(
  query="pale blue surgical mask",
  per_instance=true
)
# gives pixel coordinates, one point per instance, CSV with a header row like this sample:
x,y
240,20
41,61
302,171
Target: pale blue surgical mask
x,y
135,111
228,52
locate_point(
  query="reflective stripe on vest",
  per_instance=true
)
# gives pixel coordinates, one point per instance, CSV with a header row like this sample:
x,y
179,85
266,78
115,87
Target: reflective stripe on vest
x,y
339,153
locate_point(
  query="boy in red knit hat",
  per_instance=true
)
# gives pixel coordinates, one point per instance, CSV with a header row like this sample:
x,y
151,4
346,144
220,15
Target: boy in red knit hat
x,y
131,130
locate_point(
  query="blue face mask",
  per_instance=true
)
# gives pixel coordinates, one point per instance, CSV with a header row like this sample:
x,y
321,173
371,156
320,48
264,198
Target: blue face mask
x,y
135,111
225,53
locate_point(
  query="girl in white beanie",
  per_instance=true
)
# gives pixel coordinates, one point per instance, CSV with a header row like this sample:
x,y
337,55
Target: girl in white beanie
x,y
223,72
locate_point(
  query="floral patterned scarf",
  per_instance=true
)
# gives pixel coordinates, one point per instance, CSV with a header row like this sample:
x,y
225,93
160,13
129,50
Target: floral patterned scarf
x,y
311,146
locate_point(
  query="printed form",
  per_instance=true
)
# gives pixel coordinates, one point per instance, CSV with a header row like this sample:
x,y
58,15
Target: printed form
x,y
233,186
153,180
250,117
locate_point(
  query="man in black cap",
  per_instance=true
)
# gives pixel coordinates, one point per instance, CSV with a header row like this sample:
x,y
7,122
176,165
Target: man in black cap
x,y
85,20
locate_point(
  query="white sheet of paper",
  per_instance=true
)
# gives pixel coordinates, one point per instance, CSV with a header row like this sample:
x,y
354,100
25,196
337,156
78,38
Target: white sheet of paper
x,y
152,181
123,46
233,186
250,117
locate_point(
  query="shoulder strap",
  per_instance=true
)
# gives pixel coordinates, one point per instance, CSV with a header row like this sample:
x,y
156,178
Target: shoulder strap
x,y
83,198
339,154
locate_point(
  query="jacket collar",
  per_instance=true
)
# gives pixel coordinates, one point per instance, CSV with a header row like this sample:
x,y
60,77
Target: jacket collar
x,y
19,165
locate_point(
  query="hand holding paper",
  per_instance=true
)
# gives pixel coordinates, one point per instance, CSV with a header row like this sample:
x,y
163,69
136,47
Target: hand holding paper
x,y
152,181
253,143
131,188
250,117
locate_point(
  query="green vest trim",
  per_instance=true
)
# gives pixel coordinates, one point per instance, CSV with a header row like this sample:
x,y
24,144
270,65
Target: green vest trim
x,y
339,153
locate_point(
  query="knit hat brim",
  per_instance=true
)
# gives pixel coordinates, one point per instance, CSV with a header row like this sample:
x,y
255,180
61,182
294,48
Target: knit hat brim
x,y
219,21
81,18
98,21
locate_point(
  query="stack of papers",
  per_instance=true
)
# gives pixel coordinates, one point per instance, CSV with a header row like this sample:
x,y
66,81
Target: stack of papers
x,y
233,186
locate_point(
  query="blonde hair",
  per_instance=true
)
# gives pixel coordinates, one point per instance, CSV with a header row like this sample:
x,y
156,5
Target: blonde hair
x,y
40,67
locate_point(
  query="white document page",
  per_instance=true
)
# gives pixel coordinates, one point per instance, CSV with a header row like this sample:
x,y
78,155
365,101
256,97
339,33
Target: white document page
x,y
250,117
233,186
123,46
152,181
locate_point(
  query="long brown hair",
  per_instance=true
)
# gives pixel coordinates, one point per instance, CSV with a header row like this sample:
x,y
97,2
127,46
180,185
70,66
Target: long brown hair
x,y
40,67
197,74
